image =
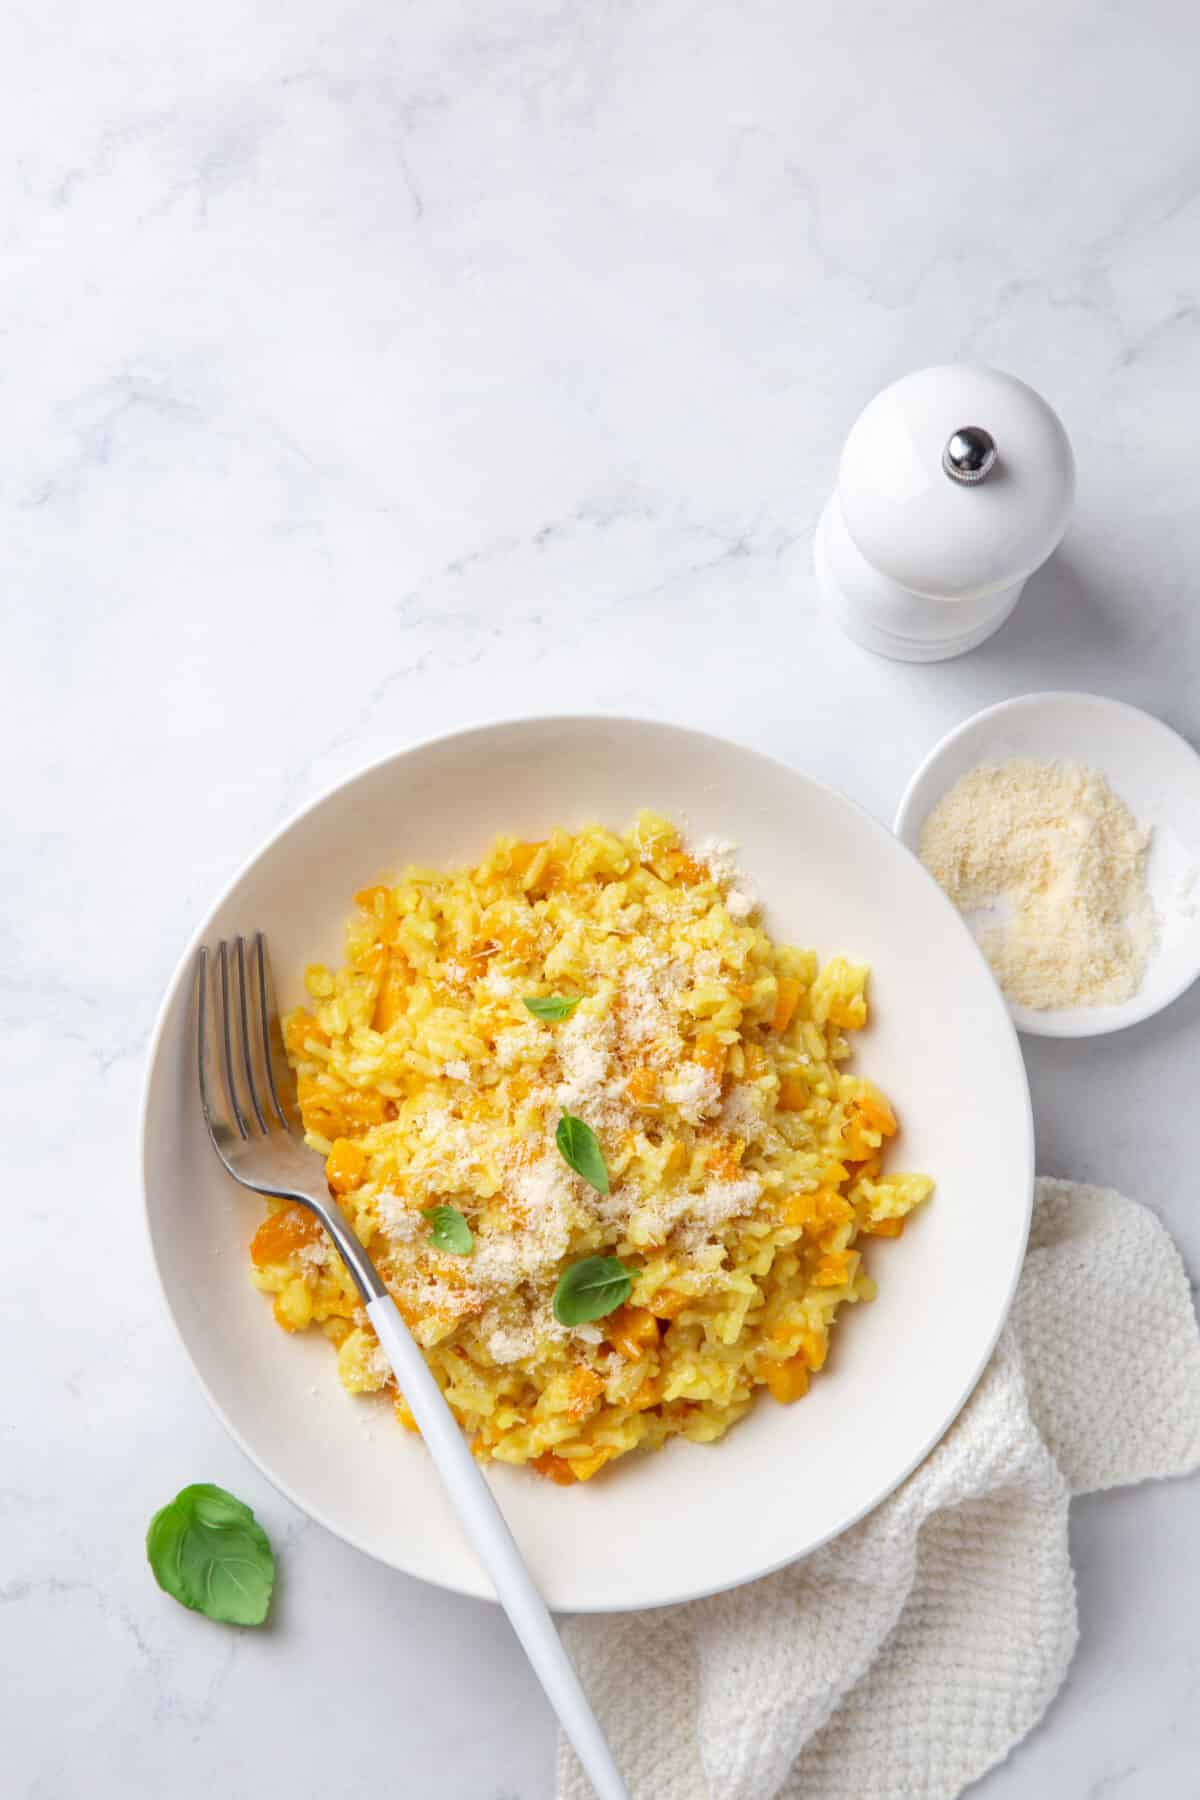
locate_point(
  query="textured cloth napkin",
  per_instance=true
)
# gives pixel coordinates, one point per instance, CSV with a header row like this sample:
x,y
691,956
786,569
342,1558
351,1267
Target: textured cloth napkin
x,y
906,1658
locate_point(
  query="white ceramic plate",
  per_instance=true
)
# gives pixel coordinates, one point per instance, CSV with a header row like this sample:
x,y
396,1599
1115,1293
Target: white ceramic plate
x,y
1155,772
691,1519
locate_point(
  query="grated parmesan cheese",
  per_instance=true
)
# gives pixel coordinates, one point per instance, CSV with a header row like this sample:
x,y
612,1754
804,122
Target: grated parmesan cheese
x,y
641,1000
509,1346
585,1046
1048,866
742,1113
516,1044
719,857
695,1091
721,1201
398,1219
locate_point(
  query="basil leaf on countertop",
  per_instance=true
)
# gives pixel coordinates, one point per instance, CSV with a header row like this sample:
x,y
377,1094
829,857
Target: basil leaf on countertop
x,y
552,1006
580,1147
449,1230
590,1289
209,1552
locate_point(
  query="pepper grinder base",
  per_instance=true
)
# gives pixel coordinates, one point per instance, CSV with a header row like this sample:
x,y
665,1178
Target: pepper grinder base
x,y
858,606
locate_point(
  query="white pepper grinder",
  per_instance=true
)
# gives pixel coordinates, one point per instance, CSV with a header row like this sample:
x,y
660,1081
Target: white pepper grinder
x,y
955,484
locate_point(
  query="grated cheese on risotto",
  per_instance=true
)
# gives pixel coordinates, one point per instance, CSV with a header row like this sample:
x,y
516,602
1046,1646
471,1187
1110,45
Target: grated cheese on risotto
x,y
745,1162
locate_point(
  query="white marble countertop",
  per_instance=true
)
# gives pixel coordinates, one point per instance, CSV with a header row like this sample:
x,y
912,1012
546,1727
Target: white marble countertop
x,y
369,370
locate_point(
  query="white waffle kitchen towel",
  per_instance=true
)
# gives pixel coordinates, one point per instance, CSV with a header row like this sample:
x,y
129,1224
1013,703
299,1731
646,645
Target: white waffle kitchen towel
x,y
906,1658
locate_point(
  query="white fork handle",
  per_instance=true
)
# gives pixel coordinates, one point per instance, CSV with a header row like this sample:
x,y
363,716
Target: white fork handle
x,y
496,1549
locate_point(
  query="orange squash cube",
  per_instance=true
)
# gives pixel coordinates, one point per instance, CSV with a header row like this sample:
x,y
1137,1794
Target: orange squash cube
x,y
886,1228
709,1052
586,1389
299,1029
521,855
554,1468
786,1381
800,1210
685,868
669,1303
787,999
380,903
878,1112
793,1093
725,1158
362,1106
833,1209
345,1164
642,1087
282,1232
632,1330
518,942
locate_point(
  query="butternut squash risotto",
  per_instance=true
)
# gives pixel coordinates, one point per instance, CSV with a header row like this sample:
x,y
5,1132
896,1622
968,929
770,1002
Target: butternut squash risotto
x,y
732,1166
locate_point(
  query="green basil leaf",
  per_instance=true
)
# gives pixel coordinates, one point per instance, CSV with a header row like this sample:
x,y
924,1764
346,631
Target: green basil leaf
x,y
209,1552
590,1289
581,1148
449,1230
552,1006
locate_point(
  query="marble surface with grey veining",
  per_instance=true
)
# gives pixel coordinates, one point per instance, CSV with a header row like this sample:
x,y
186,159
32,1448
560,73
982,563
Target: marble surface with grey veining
x,y
368,369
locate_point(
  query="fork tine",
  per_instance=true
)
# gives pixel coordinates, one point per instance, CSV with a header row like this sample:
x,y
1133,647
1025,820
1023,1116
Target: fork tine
x,y
225,1036
204,1049
212,1088
243,1019
281,1082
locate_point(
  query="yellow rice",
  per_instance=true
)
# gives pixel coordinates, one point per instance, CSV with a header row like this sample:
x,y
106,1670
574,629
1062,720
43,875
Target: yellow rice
x,y
744,1158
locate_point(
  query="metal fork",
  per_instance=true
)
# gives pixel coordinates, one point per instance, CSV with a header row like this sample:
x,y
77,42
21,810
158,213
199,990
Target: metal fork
x,y
248,1094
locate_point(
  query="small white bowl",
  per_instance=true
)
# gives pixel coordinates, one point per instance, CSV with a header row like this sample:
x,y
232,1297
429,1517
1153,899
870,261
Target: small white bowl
x,y
1151,768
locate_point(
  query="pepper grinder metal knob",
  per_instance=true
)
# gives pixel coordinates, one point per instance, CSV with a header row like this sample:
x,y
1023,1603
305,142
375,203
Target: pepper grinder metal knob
x,y
970,455
935,527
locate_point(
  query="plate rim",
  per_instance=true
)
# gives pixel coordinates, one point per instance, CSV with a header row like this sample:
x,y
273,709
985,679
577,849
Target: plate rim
x,y
184,971
1085,1023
